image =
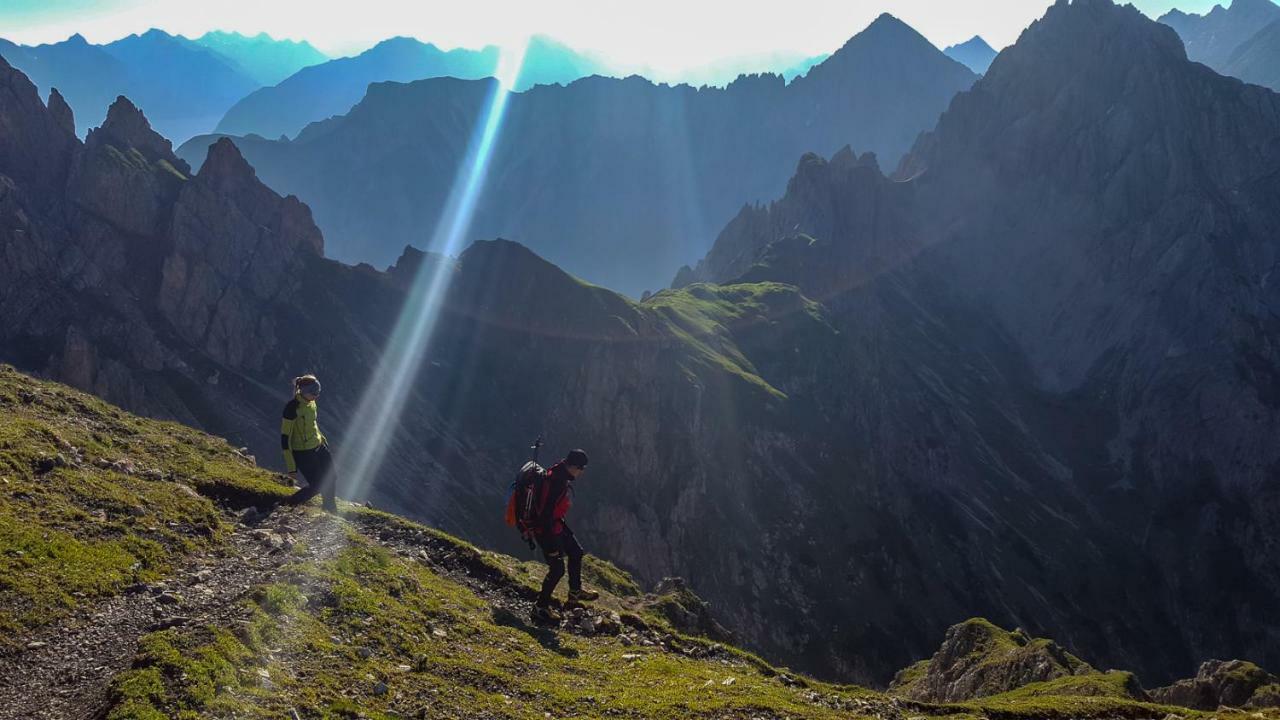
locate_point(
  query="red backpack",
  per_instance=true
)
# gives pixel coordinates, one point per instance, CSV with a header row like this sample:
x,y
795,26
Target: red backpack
x,y
523,505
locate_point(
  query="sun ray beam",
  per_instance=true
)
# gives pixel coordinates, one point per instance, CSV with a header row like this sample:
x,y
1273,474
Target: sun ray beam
x,y
379,411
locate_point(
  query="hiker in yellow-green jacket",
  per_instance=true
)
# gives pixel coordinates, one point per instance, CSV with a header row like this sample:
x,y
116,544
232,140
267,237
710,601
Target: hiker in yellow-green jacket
x,y
305,448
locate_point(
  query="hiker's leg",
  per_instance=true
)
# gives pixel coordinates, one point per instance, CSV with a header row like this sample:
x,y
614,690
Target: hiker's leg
x,y
307,465
573,552
555,570
328,480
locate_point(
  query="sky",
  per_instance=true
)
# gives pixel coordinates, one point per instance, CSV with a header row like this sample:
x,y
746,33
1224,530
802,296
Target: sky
x,y
668,34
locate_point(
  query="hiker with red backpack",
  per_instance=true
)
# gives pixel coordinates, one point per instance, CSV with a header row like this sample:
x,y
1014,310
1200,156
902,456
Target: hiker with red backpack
x,y
539,502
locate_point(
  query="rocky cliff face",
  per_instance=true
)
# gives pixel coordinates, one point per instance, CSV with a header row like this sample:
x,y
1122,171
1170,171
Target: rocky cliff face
x,y
1086,199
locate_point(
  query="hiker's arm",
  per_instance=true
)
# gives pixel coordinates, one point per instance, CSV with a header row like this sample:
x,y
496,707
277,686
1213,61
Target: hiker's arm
x,y
286,429
554,495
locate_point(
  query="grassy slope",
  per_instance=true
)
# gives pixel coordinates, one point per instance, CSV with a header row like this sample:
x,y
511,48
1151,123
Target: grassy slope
x,y
93,500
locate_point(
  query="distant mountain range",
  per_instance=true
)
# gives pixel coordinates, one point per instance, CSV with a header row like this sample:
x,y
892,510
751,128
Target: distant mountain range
x,y
1242,40
186,85
264,58
619,181
333,87
974,54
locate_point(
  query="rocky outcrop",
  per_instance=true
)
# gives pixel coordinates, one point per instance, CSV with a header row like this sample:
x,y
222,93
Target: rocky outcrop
x,y
978,659
674,600
61,111
1218,683
35,147
237,248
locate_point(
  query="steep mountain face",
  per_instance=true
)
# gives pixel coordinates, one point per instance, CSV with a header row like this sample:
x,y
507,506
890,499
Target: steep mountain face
x,y
1214,37
1086,199
333,88
618,181
973,53
185,86
264,58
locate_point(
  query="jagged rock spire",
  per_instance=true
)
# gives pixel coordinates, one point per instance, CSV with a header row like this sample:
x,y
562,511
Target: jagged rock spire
x,y
127,127
35,146
61,111
225,167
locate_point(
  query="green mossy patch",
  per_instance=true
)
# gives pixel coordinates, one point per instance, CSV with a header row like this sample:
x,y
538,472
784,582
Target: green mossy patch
x,y
93,500
707,318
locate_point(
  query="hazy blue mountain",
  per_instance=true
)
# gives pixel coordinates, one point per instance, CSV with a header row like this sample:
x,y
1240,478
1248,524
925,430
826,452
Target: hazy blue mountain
x,y
332,88
619,181
264,58
974,54
721,72
88,77
548,61
1213,38
185,86
1257,60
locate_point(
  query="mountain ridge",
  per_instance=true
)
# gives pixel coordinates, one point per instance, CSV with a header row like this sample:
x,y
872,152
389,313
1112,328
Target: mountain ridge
x,y
655,169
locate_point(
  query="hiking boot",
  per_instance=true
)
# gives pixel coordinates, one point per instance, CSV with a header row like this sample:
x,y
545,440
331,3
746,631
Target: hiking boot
x,y
545,614
581,596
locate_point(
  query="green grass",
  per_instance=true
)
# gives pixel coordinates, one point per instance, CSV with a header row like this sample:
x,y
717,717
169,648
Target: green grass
x,y
707,318
93,500
1114,684
366,617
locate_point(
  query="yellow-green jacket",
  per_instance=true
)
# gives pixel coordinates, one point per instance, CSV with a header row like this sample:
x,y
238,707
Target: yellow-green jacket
x,y
299,430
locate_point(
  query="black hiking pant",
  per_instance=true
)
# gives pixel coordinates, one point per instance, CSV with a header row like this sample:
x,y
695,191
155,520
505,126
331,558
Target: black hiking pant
x,y
317,467
555,548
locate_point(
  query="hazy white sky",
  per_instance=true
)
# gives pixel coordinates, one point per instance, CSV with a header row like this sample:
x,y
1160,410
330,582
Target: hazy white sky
x,y
660,33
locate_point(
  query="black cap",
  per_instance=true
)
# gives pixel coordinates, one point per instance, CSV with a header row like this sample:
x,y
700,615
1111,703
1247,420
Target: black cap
x,y
576,458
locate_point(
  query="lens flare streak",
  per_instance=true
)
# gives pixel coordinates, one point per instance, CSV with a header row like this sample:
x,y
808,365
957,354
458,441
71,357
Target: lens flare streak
x,y
384,399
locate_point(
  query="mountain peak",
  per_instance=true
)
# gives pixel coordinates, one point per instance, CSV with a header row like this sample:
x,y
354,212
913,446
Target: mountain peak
x,y
973,53
886,40
1093,33
887,27
225,165
127,127
61,111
